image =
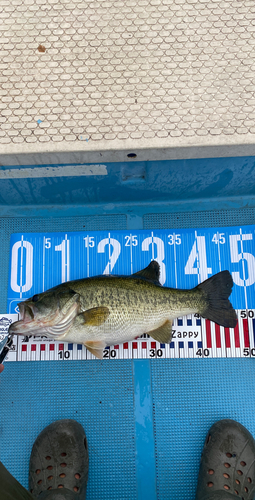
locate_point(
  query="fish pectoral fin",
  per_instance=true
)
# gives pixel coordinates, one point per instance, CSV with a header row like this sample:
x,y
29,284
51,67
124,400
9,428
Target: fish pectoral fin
x,y
163,333
150,273
95,348
95,316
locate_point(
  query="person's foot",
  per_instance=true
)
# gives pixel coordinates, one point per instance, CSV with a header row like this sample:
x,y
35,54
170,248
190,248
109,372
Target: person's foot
x,y
227,468
59,462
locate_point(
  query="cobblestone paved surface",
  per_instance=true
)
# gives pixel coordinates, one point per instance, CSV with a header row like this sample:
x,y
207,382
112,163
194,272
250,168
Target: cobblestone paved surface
x,y
112,70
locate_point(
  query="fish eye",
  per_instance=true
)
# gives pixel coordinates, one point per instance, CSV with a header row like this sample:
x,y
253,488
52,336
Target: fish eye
x,y
35,298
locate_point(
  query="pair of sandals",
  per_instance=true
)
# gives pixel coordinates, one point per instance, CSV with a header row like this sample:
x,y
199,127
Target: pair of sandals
x,y
59,463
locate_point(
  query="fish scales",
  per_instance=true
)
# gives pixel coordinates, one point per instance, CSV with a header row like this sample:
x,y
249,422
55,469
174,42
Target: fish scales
x,y
129,309
106,310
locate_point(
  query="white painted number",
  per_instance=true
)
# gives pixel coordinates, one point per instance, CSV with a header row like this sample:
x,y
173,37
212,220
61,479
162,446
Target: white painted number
x,y
47,243
219,238
131,240
113,246
89,241
20,250
156,242
65,261
197,262
174,239
242,256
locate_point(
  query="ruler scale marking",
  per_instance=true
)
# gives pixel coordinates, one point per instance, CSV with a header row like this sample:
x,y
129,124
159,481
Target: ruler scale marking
x,y
207,251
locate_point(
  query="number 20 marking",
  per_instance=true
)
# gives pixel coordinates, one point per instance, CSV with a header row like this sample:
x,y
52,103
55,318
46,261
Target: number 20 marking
x,y
113,257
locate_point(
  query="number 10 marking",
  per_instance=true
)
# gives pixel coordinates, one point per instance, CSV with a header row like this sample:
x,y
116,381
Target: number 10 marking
x,y
65,259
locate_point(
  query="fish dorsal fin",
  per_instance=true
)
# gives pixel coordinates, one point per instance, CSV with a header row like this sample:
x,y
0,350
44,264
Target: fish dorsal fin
x,y
95,316
163,333
96,348
150,273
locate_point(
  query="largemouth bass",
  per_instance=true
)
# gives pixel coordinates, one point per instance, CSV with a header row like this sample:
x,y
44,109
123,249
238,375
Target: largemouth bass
x,y
107,310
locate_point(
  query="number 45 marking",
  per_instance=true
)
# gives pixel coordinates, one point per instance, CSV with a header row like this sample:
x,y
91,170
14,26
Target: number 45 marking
x,y
219,238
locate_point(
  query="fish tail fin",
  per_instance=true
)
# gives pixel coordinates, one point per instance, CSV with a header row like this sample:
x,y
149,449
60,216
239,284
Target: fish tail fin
x,y
218,308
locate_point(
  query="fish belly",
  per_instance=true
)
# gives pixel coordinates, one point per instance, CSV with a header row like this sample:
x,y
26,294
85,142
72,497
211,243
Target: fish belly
x,y
115,331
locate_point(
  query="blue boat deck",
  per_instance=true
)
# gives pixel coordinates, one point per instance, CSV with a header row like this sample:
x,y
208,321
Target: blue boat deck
x,y
145,420
135,115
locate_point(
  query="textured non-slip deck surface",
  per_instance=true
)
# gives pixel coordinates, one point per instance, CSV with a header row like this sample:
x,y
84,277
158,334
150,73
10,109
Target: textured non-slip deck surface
x,y
109,72
188,397
146,420
100,397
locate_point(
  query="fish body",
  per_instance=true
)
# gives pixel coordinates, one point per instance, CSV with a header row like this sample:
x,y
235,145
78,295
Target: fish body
x,y
107,310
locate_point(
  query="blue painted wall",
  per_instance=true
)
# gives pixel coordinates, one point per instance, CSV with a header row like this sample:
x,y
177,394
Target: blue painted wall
x,y
137,182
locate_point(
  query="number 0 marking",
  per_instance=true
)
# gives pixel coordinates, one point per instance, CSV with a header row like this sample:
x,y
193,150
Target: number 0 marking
x,y
26,246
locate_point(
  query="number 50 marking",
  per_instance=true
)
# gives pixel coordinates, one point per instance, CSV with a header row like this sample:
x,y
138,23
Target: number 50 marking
x,y
242,256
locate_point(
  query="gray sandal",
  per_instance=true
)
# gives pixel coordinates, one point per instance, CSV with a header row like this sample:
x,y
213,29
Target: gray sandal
x,y
59,462
227,468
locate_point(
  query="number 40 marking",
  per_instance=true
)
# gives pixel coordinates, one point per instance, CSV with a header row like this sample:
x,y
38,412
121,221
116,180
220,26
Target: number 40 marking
x,y
198,256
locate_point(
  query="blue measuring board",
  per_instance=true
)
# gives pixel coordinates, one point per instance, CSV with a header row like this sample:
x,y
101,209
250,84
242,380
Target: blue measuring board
x,y
39,261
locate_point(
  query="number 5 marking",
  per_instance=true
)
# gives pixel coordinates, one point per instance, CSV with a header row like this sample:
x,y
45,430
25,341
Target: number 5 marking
x,y
236,257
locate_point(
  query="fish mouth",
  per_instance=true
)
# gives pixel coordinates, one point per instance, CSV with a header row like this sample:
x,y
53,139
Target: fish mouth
x,y
54,326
